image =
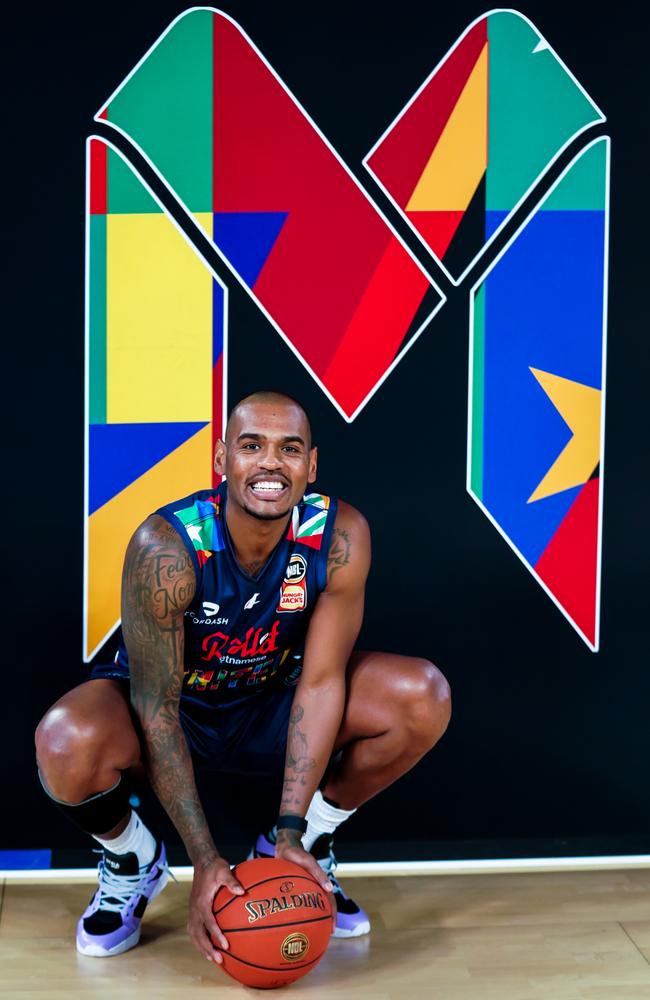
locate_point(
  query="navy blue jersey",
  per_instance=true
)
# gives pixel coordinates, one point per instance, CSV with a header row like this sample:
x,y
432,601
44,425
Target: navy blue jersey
x,y
245,634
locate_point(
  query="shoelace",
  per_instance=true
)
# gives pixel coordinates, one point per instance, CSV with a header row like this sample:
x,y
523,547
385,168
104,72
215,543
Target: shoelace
x,y
115,891
329,866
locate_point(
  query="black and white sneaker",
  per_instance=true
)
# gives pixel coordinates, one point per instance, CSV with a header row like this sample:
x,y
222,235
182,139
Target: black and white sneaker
x,y
111,921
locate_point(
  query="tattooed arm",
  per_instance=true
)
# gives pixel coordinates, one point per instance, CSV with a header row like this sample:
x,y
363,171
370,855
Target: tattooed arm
x,y
158,585
320,695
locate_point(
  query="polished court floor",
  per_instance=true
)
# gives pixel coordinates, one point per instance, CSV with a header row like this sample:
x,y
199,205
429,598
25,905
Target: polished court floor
x,y
550,936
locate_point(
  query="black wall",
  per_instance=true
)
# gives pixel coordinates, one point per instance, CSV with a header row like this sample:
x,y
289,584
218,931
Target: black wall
x,y
549,743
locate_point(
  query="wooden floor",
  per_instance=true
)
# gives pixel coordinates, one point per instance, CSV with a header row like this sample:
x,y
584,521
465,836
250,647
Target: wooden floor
x,y
551,936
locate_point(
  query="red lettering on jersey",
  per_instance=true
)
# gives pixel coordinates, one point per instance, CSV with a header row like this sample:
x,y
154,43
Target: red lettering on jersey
x,y
214,645
256,642
270,643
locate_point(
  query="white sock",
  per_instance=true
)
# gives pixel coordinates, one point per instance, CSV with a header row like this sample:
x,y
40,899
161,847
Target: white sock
x,y
134,838
322,818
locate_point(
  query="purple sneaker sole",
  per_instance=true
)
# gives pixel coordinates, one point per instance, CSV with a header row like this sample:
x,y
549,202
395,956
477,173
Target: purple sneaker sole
x,y
351,924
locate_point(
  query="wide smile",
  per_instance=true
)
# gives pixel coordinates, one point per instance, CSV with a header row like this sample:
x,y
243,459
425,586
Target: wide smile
x,y
268,489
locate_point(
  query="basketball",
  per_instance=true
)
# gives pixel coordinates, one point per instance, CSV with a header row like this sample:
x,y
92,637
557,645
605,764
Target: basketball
x,y
279,929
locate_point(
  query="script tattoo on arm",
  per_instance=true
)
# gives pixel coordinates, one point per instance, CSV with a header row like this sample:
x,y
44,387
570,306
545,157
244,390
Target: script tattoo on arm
x,y
298,763
158,585
339,553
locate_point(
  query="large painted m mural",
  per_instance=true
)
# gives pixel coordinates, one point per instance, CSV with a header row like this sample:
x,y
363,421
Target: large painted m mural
x,y
247,169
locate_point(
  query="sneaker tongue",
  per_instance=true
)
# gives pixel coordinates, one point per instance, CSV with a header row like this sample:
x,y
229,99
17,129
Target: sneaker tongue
x,y
122,864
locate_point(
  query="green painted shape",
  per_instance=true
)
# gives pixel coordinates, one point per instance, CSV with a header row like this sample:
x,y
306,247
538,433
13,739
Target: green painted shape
x,y
584,186
126,193
97,321
478,404
534,108
166,107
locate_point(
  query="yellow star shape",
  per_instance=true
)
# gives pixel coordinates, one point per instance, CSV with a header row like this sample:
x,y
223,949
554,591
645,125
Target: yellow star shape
x,y
579,407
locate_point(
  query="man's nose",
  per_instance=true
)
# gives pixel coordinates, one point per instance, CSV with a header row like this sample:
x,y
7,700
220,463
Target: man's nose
x,y
270,459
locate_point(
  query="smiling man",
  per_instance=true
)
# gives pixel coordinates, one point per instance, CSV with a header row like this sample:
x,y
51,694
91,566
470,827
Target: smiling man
x,y
240,610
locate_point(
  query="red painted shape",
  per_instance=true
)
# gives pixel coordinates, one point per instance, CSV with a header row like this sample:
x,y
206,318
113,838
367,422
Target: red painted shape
x,y
268,157
377,329
568,565
98,175
402,156
217,410
436,228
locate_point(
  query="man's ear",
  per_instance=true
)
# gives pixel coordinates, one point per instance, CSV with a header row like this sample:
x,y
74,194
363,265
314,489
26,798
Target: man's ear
x,y
313,463
220,458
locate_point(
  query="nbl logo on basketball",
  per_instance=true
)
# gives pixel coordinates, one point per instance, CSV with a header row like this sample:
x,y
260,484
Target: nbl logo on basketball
x,y
295,946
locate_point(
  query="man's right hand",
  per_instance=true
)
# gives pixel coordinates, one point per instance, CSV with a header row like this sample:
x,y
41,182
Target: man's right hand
x,y
201,924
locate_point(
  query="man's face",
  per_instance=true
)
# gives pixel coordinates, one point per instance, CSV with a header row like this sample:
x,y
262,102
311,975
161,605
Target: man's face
x,y
266,458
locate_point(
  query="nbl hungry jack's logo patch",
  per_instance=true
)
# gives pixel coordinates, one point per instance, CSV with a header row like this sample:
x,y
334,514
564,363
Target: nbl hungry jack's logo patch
x,y
293,594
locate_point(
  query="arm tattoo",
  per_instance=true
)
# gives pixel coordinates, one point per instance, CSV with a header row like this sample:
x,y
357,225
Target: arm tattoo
x,y
288,838
339,553
158,585
298,763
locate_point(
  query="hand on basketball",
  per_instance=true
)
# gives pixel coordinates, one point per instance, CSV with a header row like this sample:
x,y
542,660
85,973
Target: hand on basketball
x,y
201,924
289,848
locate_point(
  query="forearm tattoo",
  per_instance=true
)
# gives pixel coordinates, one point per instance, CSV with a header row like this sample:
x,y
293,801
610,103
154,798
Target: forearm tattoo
x,y
298,764
339,553
288,838
158,585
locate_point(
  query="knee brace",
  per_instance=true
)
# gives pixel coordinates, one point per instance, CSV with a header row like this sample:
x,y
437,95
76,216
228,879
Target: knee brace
x,y
99,813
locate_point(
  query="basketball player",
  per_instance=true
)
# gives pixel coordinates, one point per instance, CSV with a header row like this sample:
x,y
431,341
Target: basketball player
x,y
240,609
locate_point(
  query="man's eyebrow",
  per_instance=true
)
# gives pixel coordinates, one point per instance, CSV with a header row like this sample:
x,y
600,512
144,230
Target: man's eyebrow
x,y
260,437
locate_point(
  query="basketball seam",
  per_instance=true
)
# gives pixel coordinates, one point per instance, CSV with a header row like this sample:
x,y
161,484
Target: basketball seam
x,y
271,878
271,927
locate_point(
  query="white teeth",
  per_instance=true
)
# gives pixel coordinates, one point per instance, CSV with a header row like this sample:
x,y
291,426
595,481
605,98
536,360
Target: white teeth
x,y
267,486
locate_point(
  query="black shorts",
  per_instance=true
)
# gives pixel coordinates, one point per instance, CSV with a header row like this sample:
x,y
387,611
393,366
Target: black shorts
x,y
248,736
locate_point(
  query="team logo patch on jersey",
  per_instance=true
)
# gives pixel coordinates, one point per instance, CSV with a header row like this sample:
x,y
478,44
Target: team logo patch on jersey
x,y
293,595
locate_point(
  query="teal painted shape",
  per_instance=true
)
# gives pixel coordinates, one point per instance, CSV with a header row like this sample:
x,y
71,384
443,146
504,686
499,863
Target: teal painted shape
x,y
534,108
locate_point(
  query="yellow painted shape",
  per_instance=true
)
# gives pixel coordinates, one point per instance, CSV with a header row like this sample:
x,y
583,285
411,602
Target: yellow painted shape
x,y
459,158
187,468
579,406
158,323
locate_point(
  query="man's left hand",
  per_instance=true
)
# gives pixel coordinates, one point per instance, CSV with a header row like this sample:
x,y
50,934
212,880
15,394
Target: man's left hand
x,y
289,848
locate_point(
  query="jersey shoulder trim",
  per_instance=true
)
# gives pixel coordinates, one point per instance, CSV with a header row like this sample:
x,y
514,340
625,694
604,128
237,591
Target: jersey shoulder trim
x,y
202,525
309,519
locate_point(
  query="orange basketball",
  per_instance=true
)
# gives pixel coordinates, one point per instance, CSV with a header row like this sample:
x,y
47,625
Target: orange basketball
x,y
279,929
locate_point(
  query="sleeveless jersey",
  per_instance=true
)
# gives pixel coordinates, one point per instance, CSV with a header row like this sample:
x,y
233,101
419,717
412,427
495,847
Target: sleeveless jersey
x,y
245,634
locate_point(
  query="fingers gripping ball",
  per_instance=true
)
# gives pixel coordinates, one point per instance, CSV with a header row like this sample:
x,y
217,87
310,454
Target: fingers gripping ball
x,y
279,929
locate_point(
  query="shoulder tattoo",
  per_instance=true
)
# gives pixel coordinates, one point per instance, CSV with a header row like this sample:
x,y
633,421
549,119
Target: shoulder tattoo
x,y
339,553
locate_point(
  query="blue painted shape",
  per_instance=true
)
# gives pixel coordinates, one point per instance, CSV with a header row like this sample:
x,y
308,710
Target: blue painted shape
x,y
543,309
247,238
12,861
493,220
218,321
120,453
